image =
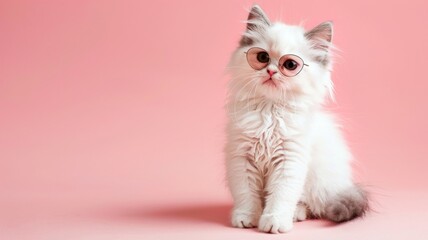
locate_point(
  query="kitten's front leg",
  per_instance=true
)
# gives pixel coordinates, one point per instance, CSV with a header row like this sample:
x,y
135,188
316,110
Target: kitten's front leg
x,y
284,188
243,185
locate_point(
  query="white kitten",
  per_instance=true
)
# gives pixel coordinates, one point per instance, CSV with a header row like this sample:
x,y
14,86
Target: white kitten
x,y
286,159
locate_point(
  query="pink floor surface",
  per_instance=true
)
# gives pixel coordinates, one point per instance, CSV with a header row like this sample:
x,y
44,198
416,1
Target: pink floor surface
x,y
396,215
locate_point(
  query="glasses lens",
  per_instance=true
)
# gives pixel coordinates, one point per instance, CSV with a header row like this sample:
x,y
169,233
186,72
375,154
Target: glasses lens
x,y
290,65
257,58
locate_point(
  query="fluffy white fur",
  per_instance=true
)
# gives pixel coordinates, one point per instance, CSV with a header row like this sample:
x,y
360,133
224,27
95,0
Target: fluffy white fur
x,y
285,156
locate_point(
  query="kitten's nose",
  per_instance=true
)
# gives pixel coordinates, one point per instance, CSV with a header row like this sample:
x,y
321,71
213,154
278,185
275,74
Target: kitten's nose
x,y
271,72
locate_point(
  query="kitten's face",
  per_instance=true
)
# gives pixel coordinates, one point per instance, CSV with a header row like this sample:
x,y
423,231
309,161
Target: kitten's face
x,y
281,62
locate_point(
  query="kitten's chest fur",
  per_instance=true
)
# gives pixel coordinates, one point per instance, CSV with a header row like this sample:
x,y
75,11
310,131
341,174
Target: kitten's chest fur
x,y
267,127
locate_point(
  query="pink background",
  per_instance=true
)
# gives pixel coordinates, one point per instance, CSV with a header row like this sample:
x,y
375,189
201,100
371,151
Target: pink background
x,y
111,116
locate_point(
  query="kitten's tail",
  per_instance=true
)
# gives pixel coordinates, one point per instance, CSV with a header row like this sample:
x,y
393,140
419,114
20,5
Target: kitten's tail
x,y
347,205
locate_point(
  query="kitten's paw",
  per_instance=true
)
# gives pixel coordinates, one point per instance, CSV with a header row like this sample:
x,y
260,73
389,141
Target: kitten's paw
x,y
300,214
275,223
244,219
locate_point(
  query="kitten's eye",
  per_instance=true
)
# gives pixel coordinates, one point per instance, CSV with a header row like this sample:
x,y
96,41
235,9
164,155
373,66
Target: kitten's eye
x,y
263,57
290,64
257,58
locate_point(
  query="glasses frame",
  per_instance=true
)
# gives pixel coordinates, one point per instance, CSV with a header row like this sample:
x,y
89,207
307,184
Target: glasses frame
x,y
279,60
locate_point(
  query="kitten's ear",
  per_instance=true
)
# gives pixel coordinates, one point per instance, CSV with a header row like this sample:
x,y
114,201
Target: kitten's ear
x,y
256,18
321,36
257,21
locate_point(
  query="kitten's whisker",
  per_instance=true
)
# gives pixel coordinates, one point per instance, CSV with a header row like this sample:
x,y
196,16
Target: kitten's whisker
x,y
235,100
249,98
239,77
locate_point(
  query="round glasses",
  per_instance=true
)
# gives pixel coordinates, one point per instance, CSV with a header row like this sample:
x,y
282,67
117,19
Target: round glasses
x,y
289,65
